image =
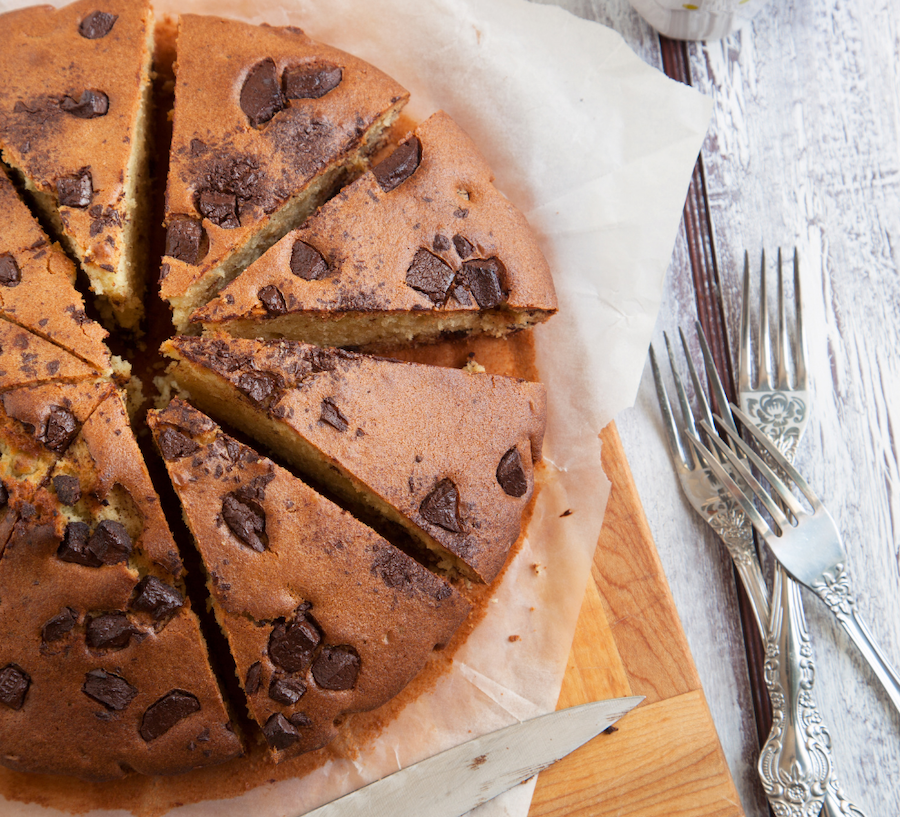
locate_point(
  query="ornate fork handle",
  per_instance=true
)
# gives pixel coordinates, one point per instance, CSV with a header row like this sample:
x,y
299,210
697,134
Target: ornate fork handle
x,y
837,594
795,764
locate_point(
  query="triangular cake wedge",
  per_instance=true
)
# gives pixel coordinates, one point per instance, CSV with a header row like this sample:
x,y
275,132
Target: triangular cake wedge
x,y
446,453
103,667
322,615
27,359
266,126
74,93
37,284
421,246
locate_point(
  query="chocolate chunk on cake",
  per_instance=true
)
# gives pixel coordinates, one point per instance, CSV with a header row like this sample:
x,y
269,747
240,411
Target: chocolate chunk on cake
x,y
267,124
37,284
73,107
446,453
420,246
323,616
103,667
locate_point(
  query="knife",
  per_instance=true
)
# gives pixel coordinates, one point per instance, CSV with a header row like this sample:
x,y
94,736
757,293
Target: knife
x,y
459,779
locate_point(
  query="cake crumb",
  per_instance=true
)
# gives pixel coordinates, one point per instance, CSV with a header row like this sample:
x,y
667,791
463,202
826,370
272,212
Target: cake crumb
x,y
474,367
515,638
538,568
566,512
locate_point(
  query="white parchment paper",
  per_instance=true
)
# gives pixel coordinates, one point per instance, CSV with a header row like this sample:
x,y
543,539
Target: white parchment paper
x,y
597,149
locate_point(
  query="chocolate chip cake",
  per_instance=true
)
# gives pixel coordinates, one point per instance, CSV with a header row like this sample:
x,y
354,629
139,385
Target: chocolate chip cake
x,y
345,620
421,246
445,453
267,124
74,91
330,577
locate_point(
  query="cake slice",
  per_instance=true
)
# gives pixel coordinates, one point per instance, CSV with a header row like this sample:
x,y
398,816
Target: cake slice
x,y
74,93
322,615
421,246
27,359
445,453
103,668
37,284
267,124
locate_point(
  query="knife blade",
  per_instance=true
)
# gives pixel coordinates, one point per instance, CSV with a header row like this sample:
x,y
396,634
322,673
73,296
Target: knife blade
x,y
455,781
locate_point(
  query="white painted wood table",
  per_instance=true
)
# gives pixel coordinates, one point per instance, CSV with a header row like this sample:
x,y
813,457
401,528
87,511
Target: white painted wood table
x,y
803,150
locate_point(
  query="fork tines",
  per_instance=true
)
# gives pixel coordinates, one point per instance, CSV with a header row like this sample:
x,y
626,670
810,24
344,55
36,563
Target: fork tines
x,y
764,342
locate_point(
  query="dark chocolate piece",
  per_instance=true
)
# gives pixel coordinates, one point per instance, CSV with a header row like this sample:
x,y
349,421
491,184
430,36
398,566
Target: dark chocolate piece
x,y
74,547
463,247
110,631
60,429
291,645
307,262
251,682
482,276
300,720
261,95
395,169
14,683
156,597
10,274
311,80
286,691
113,691
186,240
511,475
332,415
279,732
259,387
160,717
76,190
246,520
441,243
174,445
4,496
89,105
68,489
441,506
430,275
219,208
272,300
110,542
97,25
336,668
60,625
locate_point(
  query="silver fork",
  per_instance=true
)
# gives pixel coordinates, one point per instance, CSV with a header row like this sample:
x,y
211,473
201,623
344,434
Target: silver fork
x,y
798,765
780,406
808,545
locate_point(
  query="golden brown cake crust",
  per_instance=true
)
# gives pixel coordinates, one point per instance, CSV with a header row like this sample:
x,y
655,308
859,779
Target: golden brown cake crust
x,y
236,167
57,138
97,631
37,284
435,444
371,240
309,562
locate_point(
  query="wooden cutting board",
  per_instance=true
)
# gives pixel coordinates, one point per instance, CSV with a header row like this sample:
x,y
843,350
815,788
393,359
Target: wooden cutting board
x,y
665,759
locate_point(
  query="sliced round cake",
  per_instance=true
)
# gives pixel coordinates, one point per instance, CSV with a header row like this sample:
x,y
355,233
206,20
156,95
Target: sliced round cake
x,y
267,125
421,246
323,616
74,91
